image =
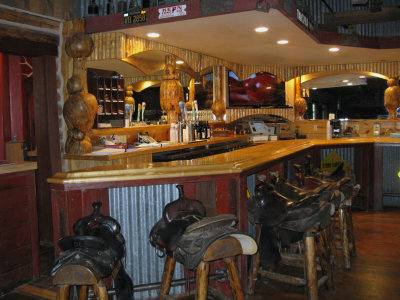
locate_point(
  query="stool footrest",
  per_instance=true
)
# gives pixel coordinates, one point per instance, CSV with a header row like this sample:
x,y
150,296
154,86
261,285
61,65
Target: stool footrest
x,y
293,280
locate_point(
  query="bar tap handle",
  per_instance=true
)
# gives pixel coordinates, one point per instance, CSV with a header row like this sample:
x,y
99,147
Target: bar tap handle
x,y
143,109
139,112
182,107
196,108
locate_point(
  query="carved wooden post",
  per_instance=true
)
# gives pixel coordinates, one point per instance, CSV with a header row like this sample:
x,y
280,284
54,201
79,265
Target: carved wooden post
x,y
220,83
80,108
129,103
191,94
392,97
171,91
300,104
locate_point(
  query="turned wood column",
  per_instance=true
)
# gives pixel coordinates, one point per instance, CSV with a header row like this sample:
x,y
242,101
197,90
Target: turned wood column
x,y
171,91
392,97
81,107
300,104
220,92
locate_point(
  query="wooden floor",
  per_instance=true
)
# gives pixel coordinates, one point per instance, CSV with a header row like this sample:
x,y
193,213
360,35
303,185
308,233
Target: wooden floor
x,y
375,272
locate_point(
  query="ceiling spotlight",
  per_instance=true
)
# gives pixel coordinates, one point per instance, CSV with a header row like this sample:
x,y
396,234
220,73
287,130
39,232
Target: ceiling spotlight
x,y
261,29
349,83
362,76
153,35
282,42
334,49
314,88
179,62
346,80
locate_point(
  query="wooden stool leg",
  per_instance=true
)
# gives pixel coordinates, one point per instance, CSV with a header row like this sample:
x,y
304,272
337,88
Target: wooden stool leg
x,y
202,280
100,290
254,265
83,292
168,272
350,232
310,266
63,292
234,280
344,238
323,249
332,244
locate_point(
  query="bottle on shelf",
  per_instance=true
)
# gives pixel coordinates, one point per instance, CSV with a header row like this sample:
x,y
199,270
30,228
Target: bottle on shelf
x,y
110,7
93,9
121,6
133,7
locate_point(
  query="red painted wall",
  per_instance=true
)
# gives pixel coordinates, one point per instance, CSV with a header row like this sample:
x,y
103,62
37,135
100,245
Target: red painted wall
x,y
17,105
5,124
14,101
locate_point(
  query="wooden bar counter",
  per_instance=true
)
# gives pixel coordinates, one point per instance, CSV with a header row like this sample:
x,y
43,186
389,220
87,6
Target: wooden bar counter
x,y
220,181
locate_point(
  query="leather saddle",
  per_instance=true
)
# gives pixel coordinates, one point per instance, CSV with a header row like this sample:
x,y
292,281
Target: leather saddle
x,y
309,177
186,235
271,208
99,245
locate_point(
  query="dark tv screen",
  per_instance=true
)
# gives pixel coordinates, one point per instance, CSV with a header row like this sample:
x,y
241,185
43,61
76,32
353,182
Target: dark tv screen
x,y
259,90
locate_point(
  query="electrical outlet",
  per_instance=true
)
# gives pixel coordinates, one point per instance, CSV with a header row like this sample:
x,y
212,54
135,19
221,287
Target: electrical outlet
x,y
315,127
356,127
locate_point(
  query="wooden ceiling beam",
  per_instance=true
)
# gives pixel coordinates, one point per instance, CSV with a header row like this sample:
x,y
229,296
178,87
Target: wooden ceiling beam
x,y
27,42
28,19
387,14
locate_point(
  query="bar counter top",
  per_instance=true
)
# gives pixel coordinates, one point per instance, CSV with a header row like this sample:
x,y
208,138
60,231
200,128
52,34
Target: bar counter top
x,y
235,162
166,146
21,166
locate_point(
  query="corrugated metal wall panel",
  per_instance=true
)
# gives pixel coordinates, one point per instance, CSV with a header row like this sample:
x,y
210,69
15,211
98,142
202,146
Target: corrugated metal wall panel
x,y
390,178
346,153
137,209
251,183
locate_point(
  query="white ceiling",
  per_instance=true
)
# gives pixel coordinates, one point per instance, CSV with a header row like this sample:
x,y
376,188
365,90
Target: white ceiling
x,y
232,37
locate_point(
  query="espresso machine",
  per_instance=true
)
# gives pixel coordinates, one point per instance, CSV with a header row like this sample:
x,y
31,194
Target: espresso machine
x,y
336,127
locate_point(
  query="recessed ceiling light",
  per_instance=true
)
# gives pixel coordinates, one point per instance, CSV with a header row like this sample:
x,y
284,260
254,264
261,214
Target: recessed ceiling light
x,y
153,34
346,80
362,76
179,62
349,83
314,88
334,49
282,42
261,29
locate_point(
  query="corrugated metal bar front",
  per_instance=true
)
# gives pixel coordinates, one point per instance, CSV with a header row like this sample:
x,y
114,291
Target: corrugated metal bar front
x,y
137,209
390,176
346,153
251,184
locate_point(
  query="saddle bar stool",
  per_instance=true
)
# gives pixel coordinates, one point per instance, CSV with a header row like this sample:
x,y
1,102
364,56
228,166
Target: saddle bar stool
x,y
222,249
316,244
90,256
82,276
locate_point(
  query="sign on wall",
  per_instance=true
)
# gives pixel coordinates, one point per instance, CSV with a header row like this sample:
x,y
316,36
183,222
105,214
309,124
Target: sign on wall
x,y
135,18
172,11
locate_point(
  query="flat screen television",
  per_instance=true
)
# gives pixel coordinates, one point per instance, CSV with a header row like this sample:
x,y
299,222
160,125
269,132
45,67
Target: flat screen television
x,y
259,90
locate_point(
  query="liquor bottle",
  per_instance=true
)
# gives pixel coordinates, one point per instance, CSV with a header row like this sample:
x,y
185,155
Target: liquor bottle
x,y
122,7
93,9
133,7
110,7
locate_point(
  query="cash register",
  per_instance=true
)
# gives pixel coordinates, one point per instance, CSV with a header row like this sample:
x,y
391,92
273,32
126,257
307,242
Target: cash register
x,y
261,133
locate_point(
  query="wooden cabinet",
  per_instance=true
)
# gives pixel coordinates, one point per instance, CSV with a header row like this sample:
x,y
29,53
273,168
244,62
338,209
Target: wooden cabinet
x,y
19,246
109,89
